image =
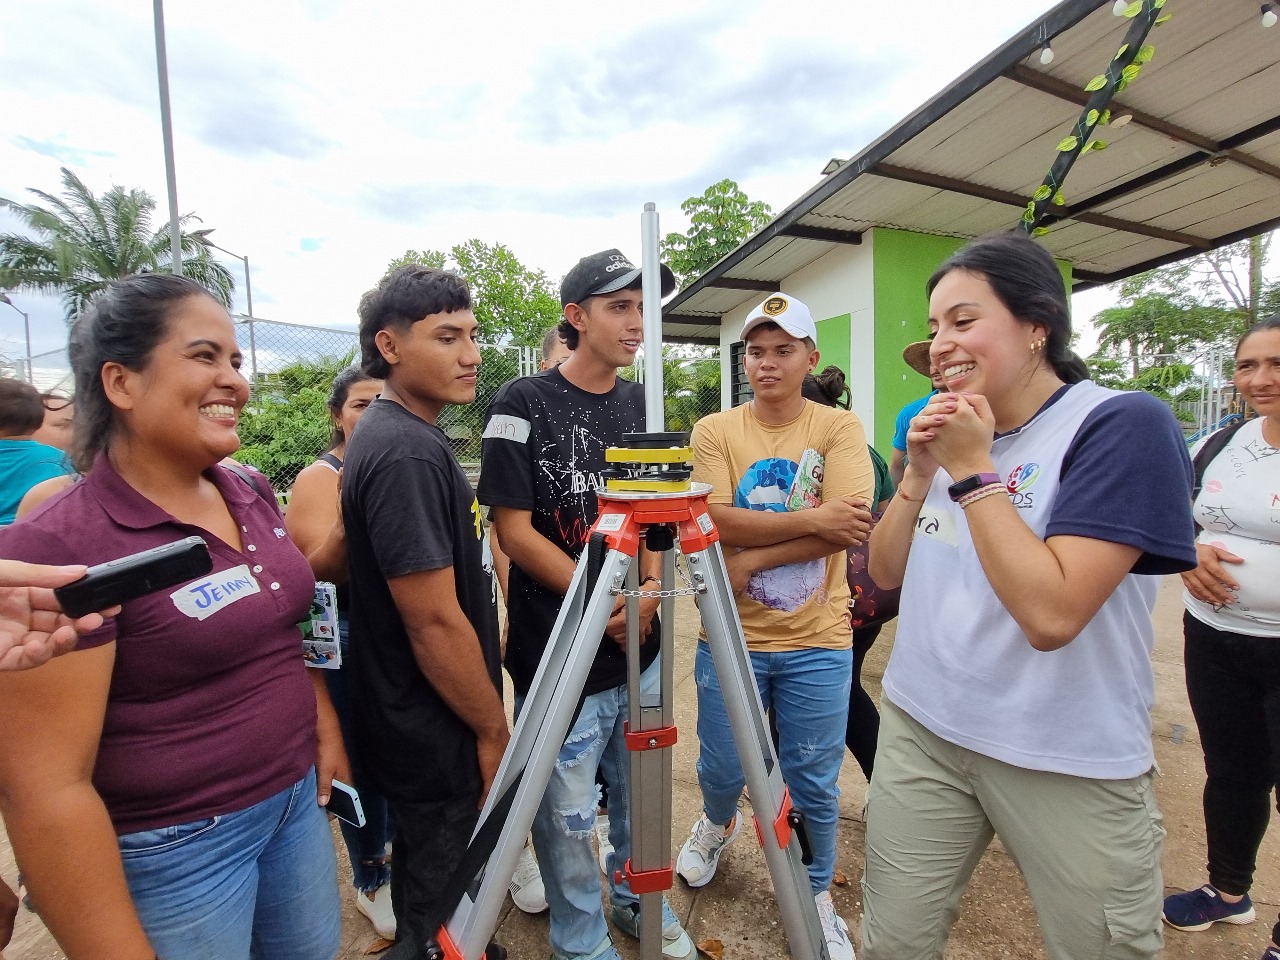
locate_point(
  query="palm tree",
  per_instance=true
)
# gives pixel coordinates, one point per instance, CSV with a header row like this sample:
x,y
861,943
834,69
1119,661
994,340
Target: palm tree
x,y
79,243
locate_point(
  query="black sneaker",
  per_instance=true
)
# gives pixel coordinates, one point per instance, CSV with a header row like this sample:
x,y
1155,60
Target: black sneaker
x,y
1201,909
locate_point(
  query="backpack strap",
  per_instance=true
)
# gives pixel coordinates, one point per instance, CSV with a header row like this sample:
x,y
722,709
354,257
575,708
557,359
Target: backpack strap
x,y
1210,449
255,479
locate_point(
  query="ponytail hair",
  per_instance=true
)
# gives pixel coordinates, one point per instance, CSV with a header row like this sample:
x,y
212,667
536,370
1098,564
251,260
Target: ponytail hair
x,y
1025,277
123,325
828,388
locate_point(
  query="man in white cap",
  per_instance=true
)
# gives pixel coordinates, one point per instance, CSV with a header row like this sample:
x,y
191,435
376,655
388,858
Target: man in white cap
x,y
790,482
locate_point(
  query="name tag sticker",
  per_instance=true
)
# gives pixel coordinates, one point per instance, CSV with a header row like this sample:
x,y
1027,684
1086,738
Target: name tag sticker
x,y
504,427
937,526
205,597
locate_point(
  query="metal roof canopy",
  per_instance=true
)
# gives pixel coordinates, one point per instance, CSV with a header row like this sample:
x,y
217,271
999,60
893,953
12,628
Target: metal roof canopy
x,y
1196,167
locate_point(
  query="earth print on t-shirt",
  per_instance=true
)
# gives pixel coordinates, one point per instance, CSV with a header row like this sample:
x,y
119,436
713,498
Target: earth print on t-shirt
x,y
766,486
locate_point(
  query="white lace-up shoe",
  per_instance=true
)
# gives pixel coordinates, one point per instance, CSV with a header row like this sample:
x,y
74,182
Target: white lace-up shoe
x,y
526,887
701,852
834,930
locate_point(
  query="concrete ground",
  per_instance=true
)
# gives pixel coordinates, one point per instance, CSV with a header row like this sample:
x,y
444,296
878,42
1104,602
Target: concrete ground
x,y
997,919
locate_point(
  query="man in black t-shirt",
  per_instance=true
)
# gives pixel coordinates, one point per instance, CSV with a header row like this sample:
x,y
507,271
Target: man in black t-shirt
x,y
542,466
425,688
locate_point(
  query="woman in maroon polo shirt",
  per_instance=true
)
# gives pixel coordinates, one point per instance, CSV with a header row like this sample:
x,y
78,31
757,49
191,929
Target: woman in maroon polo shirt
x,y
164,794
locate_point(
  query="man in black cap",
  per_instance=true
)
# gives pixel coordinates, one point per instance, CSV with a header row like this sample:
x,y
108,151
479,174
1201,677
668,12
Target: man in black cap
x,y
542,465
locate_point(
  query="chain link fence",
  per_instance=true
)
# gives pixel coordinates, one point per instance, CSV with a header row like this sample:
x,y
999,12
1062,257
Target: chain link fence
x,y
290,366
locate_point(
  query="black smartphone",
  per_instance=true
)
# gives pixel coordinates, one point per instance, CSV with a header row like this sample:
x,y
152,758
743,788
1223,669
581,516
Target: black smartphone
x,y
136,575
344,803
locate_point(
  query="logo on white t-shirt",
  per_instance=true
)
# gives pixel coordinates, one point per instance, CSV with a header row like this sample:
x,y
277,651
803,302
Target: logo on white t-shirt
x,y
1018,486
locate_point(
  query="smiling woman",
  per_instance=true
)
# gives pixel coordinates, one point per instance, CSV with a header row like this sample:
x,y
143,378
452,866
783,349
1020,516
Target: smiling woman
x,y
1034,515
184,779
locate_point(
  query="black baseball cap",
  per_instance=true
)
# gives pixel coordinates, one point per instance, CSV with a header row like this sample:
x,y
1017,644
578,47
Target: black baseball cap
x,y
605,272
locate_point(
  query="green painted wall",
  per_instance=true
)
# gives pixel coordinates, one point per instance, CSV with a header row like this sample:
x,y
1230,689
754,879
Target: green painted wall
x,y
901,264
834,342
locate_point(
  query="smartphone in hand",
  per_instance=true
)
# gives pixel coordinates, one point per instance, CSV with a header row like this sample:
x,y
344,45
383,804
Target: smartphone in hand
x,y
344,803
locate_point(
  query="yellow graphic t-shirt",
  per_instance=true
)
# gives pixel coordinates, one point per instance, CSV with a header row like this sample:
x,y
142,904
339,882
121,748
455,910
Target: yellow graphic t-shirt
x,y
820,455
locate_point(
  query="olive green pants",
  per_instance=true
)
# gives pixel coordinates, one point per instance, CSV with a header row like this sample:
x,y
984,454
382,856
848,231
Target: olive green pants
x,y
1088,849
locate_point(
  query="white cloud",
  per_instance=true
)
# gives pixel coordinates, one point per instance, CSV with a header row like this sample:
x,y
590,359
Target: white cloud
x,y
323,138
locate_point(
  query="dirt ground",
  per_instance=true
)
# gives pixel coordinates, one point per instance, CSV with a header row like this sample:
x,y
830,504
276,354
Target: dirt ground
x,y
997,919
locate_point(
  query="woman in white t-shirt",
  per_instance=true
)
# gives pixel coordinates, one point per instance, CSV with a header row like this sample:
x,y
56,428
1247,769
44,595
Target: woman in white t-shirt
x,y
1035,511
1232,630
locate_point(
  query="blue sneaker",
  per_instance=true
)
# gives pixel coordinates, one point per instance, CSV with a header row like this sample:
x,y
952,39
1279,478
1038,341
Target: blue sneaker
x,y
676,944
1201,909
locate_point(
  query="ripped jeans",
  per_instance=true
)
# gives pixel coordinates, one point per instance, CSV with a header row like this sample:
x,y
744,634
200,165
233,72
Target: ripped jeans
x,y
809,693
565,821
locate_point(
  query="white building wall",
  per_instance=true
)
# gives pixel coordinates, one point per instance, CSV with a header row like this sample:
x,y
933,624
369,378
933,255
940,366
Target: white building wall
x,y
839,282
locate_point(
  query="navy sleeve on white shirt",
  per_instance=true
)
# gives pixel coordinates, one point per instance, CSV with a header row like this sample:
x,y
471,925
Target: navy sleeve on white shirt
x,y
1126,478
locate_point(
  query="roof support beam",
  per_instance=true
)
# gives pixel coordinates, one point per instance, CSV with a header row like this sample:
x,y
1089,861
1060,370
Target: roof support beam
x,y
1212,148
940,182
802,232
1265,227
735,283
696,341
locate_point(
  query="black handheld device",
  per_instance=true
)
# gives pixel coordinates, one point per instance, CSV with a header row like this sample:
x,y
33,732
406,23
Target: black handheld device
x,y
128,578
344,803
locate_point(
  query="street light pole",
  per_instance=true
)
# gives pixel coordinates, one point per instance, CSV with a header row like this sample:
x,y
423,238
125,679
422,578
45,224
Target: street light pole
x,y
26,328
166,129
203,237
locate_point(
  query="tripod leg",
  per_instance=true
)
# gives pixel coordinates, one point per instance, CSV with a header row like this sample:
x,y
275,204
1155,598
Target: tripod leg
x,y
531,755
650,737
755,751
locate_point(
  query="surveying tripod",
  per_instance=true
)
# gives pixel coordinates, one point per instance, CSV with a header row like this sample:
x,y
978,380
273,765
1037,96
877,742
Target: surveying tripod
x,y
648,497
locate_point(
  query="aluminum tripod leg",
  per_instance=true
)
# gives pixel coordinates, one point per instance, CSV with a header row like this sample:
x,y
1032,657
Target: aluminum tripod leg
x,y
535,744
650,737
760,767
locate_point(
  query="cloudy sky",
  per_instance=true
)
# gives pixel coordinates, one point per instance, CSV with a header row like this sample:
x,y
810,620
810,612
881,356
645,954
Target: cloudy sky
x,y
324,137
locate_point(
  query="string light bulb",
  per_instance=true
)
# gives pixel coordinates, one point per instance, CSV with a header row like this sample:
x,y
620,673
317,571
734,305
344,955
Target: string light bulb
x,y
1046,53
1269,16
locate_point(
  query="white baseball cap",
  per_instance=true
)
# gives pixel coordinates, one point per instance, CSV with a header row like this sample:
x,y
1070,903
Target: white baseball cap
x,y
787,312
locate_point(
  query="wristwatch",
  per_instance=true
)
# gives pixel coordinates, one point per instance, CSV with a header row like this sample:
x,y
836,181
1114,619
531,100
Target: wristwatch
x,y
971,483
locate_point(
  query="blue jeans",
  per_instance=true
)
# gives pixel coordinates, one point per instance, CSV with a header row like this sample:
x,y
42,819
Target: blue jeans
x,y
566,819
809,693
257,883
367,845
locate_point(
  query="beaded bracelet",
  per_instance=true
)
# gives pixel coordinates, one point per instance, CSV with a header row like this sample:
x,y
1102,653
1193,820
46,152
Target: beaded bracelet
x,y
990,490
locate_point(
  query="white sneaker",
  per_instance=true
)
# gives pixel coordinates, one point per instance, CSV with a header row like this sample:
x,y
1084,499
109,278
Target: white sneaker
x,y
834,930
701,852
527,891
603,846
377,907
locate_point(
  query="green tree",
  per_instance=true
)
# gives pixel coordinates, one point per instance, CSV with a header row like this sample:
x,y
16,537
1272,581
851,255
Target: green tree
x,y
720,218
512,303
691,383
286,423
78,243
1168,316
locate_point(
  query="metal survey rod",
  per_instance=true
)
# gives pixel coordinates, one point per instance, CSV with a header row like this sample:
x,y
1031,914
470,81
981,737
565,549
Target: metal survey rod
x,y
651,278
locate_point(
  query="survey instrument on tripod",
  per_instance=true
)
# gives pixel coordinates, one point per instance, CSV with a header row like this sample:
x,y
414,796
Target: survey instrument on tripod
x,y
650,500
